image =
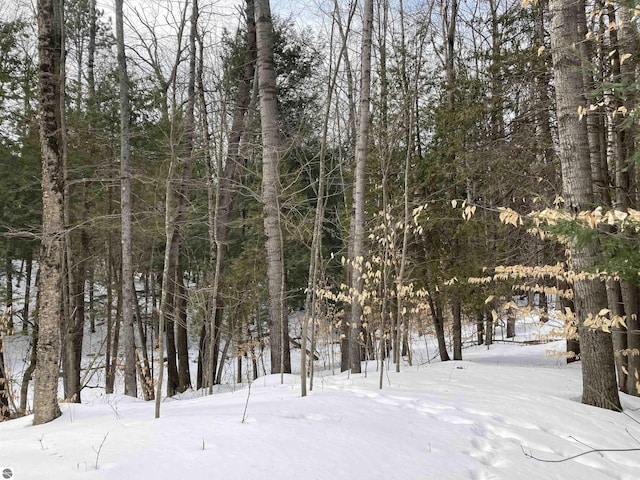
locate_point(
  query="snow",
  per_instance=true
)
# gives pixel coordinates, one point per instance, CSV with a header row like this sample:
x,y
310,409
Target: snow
x,y
475,419
481,418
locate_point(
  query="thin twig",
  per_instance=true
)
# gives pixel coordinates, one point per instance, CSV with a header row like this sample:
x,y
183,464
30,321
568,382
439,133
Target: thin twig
x,y
99,449
629,433
585,444
246,405
595,450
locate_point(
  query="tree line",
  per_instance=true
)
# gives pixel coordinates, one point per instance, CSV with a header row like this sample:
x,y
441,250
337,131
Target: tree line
x,y
382,173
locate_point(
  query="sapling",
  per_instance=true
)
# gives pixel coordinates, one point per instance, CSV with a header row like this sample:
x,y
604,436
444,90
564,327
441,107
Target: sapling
x,y
246,405
100,449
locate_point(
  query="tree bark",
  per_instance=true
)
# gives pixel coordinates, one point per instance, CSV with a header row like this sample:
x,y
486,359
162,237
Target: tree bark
x,y
598,367
358,216
480,327
171,316
182,343
33,358
511,322
623,41
9,287
174,216
271,188
5,413
456,313
109,374
27,292
45,402
130,384
222,198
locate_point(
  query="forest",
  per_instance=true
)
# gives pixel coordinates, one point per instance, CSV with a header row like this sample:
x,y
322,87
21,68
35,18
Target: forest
x,y
254,185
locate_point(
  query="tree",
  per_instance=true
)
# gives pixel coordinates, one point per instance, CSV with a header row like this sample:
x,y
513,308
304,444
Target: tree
x,y
222,197
45,403
4,378
625,292
598,367
358,215
271,188
176,201
128,297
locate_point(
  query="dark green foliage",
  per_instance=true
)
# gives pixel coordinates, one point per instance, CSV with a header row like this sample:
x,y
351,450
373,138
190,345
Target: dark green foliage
x,y
20,194
297,59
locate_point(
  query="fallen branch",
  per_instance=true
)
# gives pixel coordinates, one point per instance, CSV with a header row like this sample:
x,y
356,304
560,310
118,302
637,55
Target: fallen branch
x,y
595,450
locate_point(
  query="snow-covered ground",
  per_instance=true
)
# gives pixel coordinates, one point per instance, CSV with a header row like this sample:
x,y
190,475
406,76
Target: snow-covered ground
x,y
481,418
486,417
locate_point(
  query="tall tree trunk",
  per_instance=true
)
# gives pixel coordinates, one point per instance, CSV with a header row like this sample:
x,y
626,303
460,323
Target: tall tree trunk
x,y
279,327
410,92
449,11
456,313
598,366
358,216
622,42
109,375
543,100
438,322
27,292
9,287
171,317
130,384
626,184
344,328
143,368
316,241
33,358
592,75
73,321
45,402
488,329
115,338
222,198
182,342
174,219
5,413
480,327
511,322
73,332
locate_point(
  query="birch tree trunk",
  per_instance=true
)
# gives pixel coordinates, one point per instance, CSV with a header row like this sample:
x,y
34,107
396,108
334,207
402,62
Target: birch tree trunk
x,y
279,334
45,402
598,368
